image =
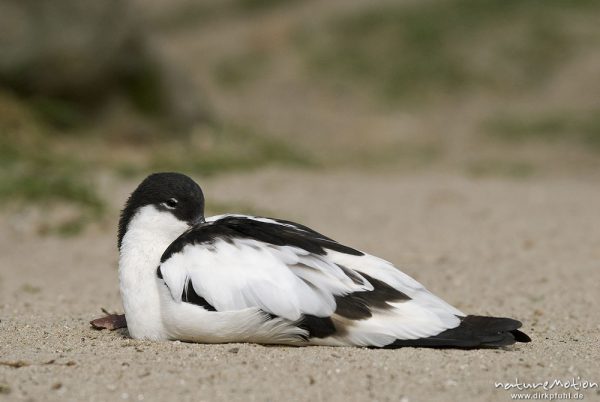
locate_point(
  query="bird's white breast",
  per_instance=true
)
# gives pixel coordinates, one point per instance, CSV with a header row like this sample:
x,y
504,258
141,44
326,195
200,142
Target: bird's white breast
x,y
148,234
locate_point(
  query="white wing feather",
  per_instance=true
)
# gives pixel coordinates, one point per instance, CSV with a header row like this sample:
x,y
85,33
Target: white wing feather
x,y
284,281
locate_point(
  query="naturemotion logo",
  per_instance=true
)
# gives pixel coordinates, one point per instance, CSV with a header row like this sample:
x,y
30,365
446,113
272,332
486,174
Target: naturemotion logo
x,y
573,384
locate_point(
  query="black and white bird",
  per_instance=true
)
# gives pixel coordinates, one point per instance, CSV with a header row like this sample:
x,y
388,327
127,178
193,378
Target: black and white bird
x,y
236,278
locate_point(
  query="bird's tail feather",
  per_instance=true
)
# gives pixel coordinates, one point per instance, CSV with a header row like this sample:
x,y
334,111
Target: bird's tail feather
x,y
473,332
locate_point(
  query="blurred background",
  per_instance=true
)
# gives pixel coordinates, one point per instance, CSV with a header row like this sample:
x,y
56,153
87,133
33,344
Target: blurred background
x,y
97,95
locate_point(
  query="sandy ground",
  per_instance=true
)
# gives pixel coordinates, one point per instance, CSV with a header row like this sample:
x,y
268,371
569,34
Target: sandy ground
x,y
524,249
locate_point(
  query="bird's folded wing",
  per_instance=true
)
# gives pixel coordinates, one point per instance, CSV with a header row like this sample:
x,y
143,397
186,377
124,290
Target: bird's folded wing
x,y
282,280
235,263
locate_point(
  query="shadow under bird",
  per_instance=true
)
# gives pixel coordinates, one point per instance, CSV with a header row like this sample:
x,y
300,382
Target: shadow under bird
x,y
237,278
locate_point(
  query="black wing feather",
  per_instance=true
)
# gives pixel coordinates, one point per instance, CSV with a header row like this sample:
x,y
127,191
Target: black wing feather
x,y
474,331
232,227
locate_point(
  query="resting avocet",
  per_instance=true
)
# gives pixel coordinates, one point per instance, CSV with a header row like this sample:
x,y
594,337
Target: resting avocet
x,y
236,278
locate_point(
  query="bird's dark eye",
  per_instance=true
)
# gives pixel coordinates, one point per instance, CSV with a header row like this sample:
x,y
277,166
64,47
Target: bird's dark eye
x,y
171,203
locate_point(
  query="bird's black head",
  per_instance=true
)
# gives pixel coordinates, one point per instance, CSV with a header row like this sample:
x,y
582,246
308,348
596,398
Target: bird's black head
x,y
169,192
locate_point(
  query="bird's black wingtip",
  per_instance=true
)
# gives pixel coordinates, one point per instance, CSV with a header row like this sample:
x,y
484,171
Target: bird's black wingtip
x,y
520,336
473,332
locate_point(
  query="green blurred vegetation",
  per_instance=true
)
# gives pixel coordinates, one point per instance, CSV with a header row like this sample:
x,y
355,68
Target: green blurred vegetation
x,y
190,14
410,51
582,128
35,169
142,90
234,71
221,149
482,68
45,164
500,168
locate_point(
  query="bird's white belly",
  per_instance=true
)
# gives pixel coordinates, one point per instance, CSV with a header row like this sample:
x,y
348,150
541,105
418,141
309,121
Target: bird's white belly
x,y
189,322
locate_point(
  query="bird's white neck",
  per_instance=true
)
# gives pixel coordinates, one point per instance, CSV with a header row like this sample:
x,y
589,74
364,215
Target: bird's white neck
x,y
148,234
